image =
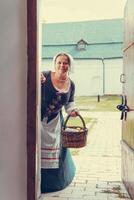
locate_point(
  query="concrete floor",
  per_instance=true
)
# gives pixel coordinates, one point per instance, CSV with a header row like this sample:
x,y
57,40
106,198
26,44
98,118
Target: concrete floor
x,y
98,175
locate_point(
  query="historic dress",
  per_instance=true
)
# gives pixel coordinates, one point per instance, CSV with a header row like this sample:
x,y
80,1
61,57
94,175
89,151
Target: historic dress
x,y
57,167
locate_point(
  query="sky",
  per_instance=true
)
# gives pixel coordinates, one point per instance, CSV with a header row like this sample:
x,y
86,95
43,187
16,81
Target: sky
x,y
81,10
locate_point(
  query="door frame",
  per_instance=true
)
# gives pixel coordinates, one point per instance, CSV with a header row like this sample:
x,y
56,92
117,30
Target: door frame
x,y
31,97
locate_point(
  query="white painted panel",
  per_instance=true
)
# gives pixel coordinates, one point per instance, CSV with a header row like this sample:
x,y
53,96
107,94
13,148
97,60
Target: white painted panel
x,y
113,70
46,65
88,77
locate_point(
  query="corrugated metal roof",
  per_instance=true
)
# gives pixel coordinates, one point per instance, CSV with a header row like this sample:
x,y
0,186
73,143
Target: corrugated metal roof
x,y
104,38
100,31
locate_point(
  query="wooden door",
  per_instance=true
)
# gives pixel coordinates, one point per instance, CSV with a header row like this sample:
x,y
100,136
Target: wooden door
x,y
128,91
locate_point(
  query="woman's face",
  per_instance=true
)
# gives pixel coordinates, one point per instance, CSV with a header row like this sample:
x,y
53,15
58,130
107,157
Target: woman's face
x,y
62,64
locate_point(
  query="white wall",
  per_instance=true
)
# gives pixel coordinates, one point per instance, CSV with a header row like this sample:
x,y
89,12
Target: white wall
x,y
88,77
13,69
113,70
91,77
46,65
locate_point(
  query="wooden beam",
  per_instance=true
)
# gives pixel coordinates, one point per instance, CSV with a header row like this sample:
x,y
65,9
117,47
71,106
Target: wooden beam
x,y
31,97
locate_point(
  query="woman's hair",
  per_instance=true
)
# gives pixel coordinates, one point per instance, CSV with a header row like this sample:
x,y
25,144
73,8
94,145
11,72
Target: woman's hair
x,y
69,57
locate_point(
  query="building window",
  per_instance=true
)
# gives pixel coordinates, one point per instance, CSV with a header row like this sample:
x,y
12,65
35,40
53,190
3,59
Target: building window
x,y
81,45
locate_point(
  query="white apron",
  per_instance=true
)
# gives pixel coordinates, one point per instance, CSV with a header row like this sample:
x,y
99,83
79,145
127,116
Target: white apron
x,y
50,142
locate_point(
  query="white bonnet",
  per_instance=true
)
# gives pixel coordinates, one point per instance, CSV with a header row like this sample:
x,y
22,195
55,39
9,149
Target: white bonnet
x,y
71,68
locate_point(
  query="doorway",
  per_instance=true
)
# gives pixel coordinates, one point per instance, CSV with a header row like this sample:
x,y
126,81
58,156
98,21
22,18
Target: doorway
x,y
32,79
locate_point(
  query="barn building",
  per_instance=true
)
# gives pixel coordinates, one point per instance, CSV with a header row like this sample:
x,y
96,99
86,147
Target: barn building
x,y
96,47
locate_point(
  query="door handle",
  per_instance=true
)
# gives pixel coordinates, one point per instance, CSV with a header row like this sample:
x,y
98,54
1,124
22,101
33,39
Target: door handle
x,y
124,108
123,78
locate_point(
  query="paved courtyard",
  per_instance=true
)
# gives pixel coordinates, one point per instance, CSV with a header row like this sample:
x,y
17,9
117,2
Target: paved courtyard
x,y
98,175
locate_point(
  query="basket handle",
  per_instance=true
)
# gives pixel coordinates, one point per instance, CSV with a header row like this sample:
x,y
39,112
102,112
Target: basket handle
x,y
65,123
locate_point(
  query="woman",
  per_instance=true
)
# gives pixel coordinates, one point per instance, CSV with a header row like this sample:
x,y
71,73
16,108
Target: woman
x,y
57,90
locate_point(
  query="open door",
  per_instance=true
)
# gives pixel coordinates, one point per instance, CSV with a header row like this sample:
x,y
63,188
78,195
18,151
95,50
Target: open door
x,y
33,116
128,93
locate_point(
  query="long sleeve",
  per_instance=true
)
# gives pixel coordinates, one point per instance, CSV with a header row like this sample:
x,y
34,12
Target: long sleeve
x,y
71,104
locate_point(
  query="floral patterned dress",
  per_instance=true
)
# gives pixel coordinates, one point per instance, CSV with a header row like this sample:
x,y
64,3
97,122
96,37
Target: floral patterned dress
x,y
57,166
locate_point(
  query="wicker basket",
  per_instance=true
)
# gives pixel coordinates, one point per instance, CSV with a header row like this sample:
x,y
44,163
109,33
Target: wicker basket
x,y
74,136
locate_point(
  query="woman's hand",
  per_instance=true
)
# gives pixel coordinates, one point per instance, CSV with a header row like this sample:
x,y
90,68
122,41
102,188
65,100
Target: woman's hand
x,y
74,113
43,78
